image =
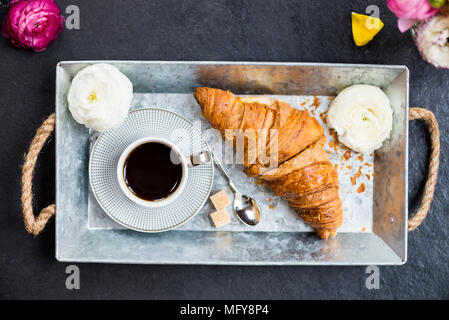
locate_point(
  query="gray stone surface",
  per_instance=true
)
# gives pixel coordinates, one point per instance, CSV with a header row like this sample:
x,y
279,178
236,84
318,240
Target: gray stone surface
x,y
256,30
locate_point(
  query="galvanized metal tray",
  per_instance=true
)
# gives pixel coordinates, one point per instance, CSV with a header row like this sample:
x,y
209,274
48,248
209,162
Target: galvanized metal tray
x,y
82,237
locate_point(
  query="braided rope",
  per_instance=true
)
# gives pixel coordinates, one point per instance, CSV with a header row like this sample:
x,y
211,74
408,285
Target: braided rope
x,y
36,225
429,189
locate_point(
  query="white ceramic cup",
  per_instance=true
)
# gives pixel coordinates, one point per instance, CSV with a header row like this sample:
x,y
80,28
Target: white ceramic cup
x,y
193,160
156,203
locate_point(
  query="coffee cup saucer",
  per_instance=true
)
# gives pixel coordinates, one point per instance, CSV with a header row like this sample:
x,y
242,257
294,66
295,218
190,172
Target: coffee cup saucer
x,y
104,158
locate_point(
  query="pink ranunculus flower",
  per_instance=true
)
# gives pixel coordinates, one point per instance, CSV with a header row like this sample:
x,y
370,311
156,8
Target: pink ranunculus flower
x,y
411,11
33,23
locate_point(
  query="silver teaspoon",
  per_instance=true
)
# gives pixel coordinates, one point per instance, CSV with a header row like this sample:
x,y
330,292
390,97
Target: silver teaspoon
x,y
245,207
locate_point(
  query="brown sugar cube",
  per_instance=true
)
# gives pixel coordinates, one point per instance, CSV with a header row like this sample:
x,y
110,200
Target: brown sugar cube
x,y
220,218
220,200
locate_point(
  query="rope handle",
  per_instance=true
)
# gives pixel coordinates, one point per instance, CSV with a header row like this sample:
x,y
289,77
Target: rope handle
x,y
36,225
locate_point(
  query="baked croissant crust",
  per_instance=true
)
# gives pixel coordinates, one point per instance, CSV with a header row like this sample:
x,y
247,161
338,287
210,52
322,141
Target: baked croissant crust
x,y
303,174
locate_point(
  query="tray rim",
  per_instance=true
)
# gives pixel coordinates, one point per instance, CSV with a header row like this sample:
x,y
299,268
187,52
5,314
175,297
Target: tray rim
x,y
261,63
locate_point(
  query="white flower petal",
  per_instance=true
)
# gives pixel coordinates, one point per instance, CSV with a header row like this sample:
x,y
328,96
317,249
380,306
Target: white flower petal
x,y
362,117
431,38
100,97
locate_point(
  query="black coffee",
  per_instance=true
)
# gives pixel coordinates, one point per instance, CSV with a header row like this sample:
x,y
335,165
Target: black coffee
x,y
150,173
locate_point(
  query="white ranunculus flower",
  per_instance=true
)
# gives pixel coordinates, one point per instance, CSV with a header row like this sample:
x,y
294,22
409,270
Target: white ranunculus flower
x,y
362,117
100,97
432,39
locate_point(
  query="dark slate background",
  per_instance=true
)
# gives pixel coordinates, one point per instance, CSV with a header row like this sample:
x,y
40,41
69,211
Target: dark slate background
x,y
252,30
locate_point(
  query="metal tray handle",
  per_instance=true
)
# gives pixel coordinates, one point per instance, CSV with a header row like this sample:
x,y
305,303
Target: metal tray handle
x,y
35,225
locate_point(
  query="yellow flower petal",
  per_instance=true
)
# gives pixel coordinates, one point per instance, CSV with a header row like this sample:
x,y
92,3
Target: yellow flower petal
x,y
364,28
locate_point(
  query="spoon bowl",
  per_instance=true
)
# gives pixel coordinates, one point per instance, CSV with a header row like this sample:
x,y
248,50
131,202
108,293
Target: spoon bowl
x,y
246,209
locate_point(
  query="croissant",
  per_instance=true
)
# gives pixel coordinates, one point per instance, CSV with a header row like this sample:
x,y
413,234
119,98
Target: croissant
x,y
303,174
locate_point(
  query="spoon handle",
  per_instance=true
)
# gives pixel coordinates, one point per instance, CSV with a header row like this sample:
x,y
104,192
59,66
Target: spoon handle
x,y
222,169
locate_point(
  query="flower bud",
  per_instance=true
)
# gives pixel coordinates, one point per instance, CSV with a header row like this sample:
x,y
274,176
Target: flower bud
x,y
437,3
